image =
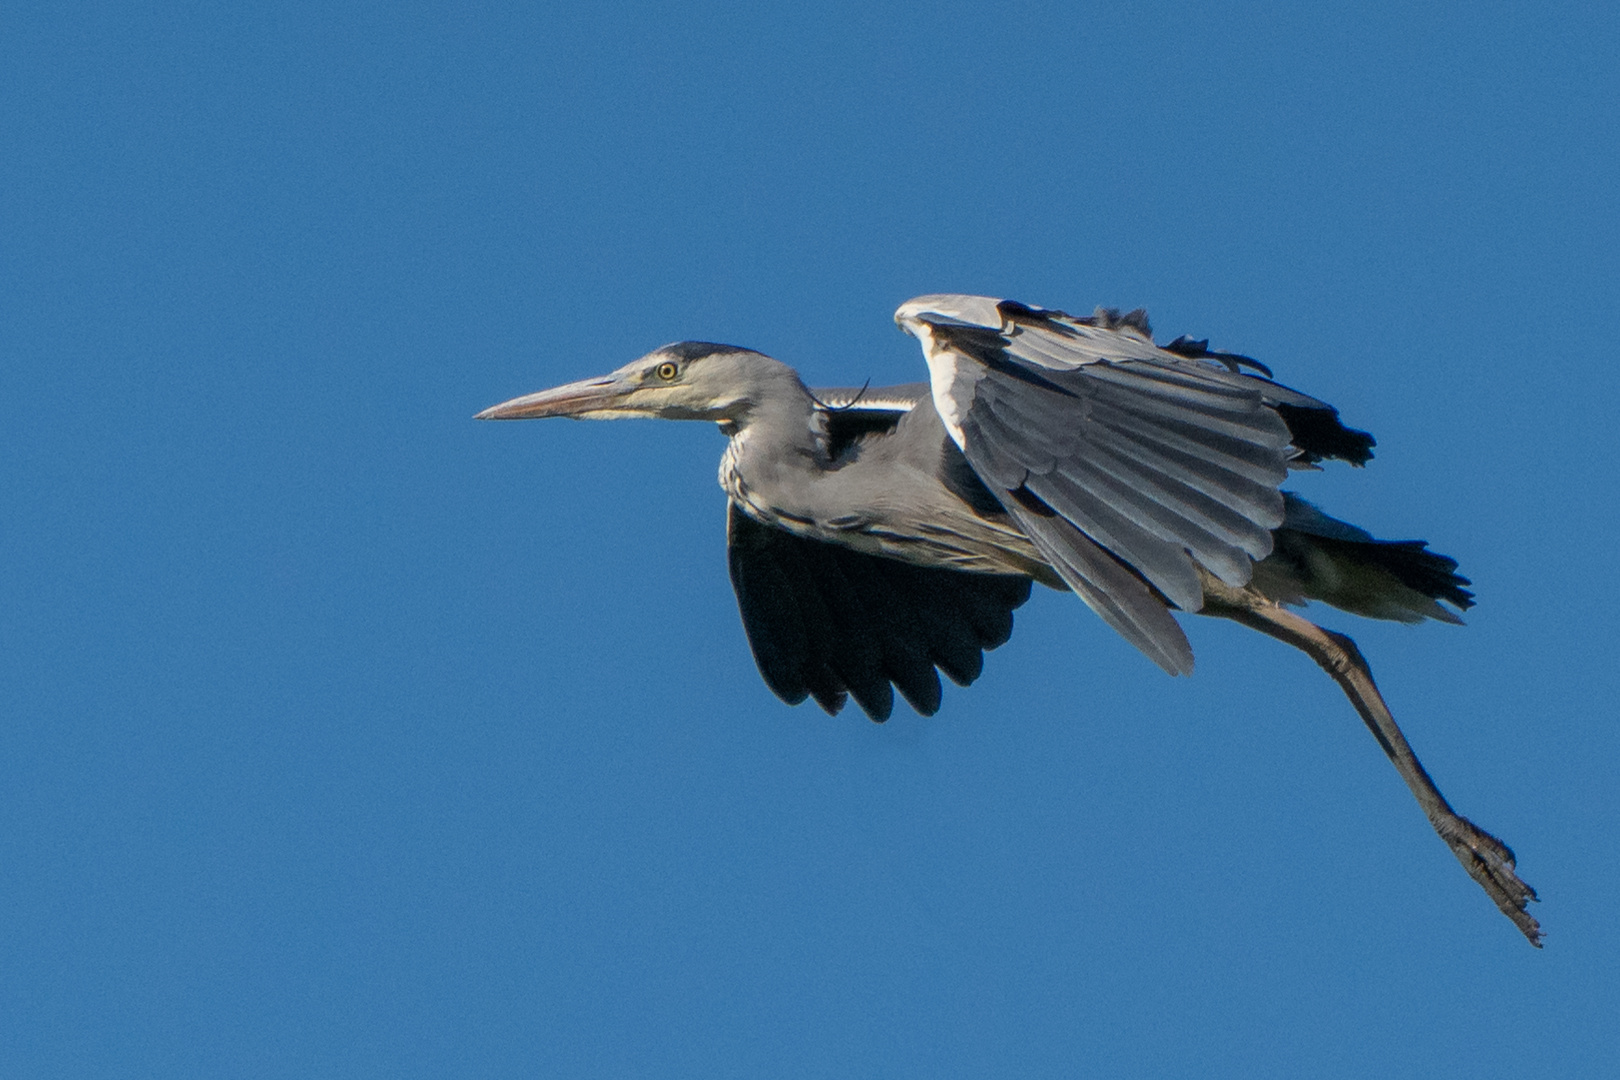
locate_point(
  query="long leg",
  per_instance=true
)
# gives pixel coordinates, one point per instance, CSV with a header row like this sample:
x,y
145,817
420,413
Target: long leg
x,y
1487,860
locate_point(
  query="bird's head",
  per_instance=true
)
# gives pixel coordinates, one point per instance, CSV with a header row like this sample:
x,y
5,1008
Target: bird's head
x,y
690,380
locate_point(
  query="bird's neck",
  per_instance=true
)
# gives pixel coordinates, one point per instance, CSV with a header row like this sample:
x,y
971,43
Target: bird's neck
x,y
776,445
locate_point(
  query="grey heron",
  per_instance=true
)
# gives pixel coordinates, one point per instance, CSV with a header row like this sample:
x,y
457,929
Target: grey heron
x,y
878,537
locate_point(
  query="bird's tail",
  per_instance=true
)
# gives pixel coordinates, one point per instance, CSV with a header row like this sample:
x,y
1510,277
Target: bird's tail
x,y
1317,557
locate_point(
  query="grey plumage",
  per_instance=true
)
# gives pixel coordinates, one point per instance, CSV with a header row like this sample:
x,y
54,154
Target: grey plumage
x,y
878,537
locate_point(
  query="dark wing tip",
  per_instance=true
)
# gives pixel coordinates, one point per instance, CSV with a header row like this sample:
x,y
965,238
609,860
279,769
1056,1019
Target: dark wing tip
x,y
829,622
1318,434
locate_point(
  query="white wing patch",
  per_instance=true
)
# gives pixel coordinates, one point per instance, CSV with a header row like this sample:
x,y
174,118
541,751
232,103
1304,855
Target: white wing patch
x,y
951,376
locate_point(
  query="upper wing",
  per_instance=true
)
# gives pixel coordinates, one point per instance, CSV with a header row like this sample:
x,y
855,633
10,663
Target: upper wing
x,y
1118,458
828,621
841,399
850,413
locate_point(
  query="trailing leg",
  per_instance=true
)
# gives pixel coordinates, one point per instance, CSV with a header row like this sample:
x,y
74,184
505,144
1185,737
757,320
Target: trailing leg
x,y
1489,861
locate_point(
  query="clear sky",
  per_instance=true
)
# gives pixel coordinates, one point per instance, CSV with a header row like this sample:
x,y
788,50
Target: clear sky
x,y
341,736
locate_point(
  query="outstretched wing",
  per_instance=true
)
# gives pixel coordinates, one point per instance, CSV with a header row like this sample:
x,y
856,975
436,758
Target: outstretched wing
x,y
1122,461
830,622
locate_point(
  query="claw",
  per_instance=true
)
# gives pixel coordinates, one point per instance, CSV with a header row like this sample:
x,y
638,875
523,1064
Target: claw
x,y
1490,862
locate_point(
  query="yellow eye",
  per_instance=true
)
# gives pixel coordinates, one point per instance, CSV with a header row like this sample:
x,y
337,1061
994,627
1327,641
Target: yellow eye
x,y
667,371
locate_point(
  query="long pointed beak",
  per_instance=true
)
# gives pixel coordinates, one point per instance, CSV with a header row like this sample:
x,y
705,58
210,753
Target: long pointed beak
x,y
581,399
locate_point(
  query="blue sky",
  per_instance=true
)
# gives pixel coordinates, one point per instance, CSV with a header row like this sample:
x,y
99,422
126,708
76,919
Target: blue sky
x,y
346,737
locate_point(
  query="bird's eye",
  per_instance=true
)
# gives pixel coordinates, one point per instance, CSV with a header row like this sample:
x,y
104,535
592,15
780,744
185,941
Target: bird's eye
x,y
667,371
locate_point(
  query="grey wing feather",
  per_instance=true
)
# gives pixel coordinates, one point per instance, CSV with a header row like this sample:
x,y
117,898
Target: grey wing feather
x,y
1086,438
1128,466
1110,589
1314,427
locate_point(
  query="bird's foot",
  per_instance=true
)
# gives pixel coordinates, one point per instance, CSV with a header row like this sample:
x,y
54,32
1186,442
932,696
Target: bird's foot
x,y
1490,862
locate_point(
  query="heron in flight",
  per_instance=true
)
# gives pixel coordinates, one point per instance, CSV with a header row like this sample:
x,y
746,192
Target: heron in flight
x,y
876,535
